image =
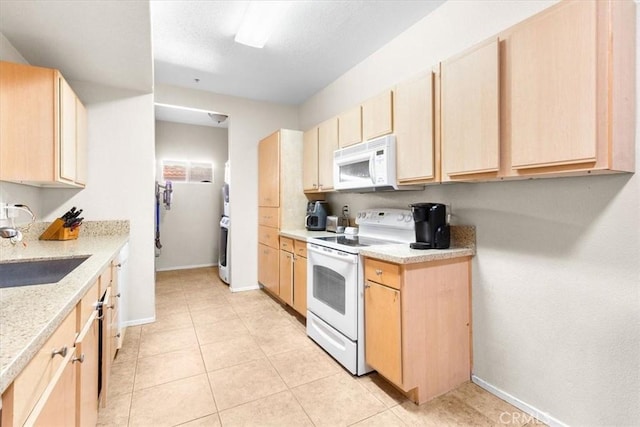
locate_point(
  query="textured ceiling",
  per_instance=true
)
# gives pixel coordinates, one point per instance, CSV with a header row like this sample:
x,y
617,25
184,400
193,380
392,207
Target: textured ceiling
x,y
314,43
106,42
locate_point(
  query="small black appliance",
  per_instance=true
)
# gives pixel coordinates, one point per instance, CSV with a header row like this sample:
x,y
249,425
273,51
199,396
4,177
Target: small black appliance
x,y
432,230
316,219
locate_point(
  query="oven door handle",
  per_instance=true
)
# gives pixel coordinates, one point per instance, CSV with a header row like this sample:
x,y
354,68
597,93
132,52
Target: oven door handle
x,y
341,256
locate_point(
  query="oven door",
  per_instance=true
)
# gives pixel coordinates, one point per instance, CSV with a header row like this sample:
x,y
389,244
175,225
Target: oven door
x,y
333,288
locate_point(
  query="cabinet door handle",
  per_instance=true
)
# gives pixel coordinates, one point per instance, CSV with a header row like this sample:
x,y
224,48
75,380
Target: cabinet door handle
x,y
62,352
118,295
366,285
78,359
378,272
118,335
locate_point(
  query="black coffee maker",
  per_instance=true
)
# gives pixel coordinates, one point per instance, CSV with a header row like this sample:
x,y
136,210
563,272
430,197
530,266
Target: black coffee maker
x,y
432,230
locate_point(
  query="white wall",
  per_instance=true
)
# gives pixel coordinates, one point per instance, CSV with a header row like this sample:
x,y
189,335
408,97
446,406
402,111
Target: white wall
x,y
556,279
250,121
120,185
190,230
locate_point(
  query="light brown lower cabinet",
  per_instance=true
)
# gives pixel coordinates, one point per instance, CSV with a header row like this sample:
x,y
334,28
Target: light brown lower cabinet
x,y
418,324
300,278
293,274
59,386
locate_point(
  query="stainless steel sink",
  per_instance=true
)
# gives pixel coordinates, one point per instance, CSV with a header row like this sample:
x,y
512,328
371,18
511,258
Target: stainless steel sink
x,y
37,272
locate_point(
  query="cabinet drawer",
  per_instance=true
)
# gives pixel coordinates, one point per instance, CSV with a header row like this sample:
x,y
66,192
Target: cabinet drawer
x,y
286,244
268,236
34,379
382,272
269,217
300,248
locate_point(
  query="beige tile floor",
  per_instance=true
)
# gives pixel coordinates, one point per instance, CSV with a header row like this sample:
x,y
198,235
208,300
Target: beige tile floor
x,y
217,358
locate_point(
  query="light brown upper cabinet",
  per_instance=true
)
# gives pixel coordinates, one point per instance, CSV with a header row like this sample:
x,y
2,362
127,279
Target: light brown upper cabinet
x,y
569,89
377,115
42,140
269,171
310,160
350,127
413,123
327,144
470,113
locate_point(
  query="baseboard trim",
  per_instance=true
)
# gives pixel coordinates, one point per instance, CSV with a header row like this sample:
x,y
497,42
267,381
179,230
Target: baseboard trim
x,y
136,322
244,289
187,267
523,406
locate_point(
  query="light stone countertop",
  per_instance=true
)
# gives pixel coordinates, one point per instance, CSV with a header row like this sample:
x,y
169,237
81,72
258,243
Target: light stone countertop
x,y
30,314
463,243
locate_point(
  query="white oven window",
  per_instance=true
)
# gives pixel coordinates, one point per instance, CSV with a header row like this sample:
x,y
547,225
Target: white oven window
x,y
354,172
329,287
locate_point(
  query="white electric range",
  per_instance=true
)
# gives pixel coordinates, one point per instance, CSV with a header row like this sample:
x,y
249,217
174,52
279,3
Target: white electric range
x,y
335,276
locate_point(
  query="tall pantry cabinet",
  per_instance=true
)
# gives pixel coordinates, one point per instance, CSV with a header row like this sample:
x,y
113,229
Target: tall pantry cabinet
x,y
281,201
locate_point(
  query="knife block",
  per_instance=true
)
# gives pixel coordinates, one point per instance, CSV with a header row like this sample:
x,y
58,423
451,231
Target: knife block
x,y
57,231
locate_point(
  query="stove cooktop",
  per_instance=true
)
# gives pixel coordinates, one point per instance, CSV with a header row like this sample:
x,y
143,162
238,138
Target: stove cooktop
x,y
354,241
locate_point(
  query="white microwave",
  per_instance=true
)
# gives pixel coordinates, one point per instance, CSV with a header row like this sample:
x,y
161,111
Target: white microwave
x,y
368,166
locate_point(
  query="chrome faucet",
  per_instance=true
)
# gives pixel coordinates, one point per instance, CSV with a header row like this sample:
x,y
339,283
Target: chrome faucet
x,y
8,232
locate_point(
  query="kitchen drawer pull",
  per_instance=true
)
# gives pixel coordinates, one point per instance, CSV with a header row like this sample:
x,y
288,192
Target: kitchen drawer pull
x,y
378,272
118,295
366,285
78,359
118,335
62,352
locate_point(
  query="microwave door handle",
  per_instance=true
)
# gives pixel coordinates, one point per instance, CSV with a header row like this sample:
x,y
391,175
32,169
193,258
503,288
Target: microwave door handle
x,y
372,169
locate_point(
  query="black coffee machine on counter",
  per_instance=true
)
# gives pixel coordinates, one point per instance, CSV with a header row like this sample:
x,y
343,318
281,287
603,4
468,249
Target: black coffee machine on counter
x,y
432,229
316,219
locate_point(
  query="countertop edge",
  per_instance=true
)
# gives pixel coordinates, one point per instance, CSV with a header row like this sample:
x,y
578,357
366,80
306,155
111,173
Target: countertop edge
x,y
22,359
416,258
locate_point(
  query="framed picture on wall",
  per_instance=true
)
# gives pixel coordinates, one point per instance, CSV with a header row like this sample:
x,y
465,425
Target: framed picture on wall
x,y
200,172
174,170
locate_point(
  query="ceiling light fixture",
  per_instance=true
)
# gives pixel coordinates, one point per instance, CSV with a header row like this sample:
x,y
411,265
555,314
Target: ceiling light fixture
x,y
218,118
259,20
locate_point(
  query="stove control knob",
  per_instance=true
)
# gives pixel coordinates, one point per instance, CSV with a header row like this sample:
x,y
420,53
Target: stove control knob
x,y
400,217
407,218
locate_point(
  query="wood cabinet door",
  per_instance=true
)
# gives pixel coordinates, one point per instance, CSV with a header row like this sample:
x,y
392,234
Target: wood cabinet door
x,y
350,127
269,171
300,285
81,143
87,372
327,144
413,124
552,87
383,330
310,160
377,116
67,131
27,122
57,406
470,112
268,268
286,277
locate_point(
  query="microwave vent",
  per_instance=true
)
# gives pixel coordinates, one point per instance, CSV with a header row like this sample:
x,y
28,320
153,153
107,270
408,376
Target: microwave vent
x,y
372,144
